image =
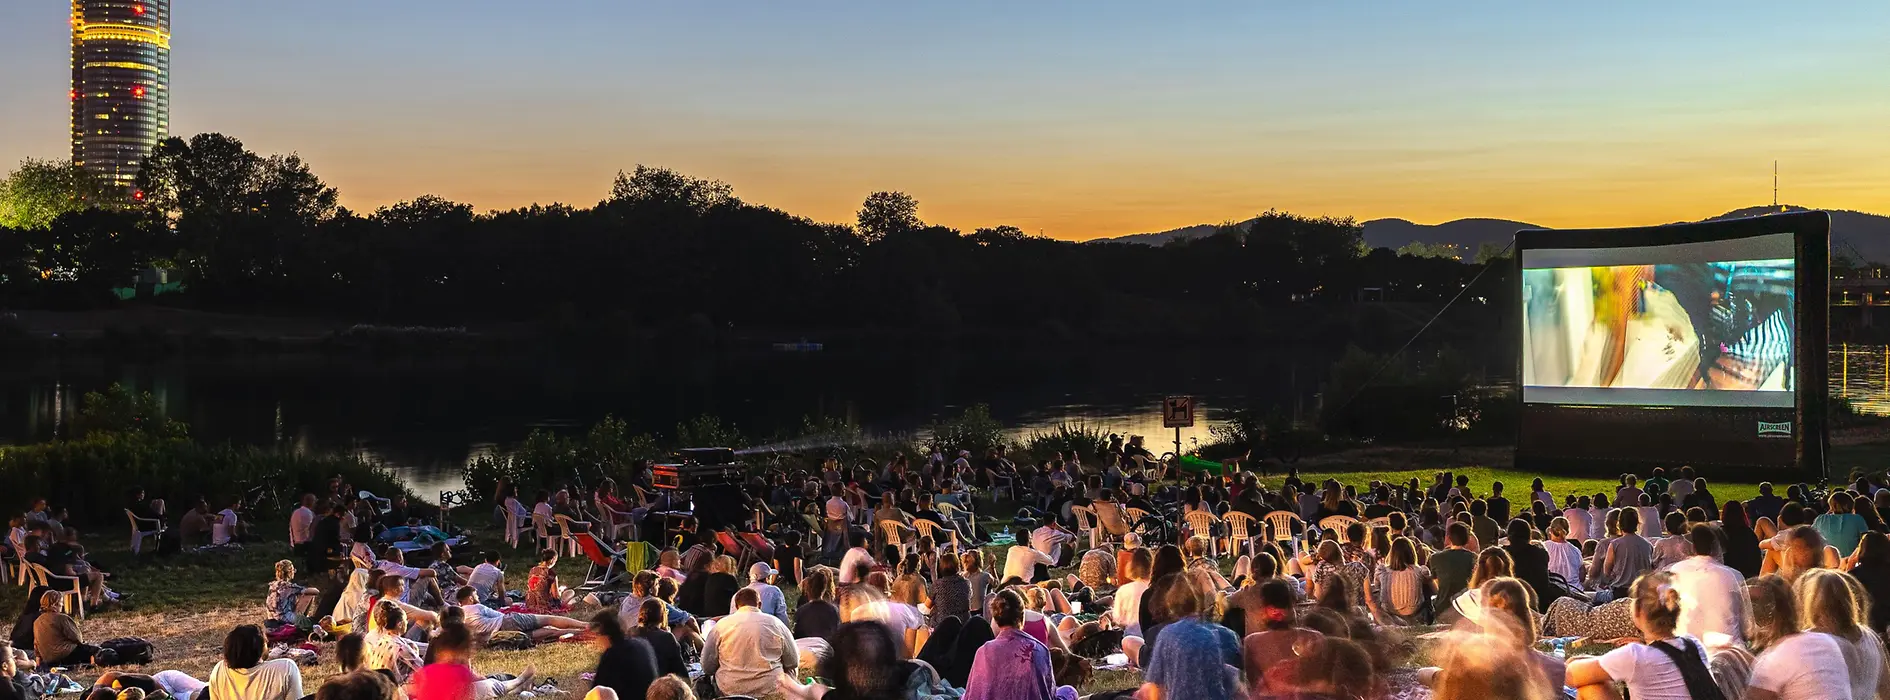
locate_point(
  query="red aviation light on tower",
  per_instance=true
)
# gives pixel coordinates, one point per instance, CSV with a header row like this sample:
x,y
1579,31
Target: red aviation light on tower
x,y
137,91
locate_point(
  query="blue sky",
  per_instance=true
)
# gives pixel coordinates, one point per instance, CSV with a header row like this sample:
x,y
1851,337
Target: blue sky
x,y
1076,119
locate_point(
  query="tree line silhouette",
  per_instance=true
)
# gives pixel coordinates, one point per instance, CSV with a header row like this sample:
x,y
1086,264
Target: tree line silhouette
x,y
255,233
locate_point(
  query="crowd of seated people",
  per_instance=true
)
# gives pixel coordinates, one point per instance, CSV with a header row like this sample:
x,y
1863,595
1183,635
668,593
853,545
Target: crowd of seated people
x,y
1694,596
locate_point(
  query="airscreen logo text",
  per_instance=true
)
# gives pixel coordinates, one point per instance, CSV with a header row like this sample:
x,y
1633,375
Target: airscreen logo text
x,y
1775,430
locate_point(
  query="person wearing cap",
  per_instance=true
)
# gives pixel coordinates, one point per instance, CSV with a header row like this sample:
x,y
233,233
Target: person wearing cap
x,y
772,601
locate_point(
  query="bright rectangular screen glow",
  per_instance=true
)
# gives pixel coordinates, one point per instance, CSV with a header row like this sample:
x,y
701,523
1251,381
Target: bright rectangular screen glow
x,y
1689,324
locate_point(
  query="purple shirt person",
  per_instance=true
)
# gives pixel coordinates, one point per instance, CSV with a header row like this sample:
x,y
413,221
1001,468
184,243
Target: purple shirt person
x,y
1013,666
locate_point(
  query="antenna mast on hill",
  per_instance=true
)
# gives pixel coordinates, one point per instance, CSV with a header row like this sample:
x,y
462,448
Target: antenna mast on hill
x,y
1775,184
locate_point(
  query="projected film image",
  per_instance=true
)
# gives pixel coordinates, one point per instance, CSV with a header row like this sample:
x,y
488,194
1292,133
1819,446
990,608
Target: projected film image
x,y
1692,333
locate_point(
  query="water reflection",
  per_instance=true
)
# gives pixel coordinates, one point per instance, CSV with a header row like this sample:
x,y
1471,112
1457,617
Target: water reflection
x,y
426,421
1861,374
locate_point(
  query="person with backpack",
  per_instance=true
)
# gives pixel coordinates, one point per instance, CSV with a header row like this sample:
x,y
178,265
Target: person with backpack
x,y
1668,666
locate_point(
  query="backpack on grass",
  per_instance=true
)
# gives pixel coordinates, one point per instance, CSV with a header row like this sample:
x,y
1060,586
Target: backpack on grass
x,y
122,651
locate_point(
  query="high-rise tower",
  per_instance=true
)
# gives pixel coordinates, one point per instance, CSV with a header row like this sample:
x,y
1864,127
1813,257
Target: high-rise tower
x,y
121,77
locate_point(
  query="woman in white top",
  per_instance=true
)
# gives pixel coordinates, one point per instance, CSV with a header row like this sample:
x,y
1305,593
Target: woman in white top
x,y
1792,665
1539,494
244,675
1827,602
1399,589
1598,517
1657,670
1565,559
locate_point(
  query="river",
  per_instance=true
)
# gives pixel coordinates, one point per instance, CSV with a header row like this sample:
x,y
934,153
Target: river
x,y
425,422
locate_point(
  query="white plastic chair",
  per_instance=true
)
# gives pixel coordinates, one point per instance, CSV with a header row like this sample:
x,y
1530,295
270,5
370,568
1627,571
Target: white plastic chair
x,y
894,533
541,531
1239,531
1135,519
138,533
1336,523
927,528
1085,523
1202,523
1282,523
37,575
565,540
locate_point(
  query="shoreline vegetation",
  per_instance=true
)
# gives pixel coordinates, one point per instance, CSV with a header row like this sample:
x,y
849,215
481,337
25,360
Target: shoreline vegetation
x,y
120,439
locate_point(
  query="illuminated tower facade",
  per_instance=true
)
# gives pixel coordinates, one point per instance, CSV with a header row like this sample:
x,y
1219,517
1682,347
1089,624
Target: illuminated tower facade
x,y
121,84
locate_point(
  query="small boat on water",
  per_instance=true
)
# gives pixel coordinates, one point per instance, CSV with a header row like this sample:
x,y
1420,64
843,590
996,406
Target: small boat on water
x,y
802,346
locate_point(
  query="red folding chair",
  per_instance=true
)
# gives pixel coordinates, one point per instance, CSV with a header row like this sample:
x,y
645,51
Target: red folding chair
x,y
744,554
607,565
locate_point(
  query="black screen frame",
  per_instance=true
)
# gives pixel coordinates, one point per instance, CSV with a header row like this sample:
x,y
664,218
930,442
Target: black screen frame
x,y
1550,436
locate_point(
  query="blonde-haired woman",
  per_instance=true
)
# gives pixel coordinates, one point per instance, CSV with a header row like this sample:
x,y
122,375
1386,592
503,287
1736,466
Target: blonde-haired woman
x,y
1664,664
1829,603
1792,664
1499,659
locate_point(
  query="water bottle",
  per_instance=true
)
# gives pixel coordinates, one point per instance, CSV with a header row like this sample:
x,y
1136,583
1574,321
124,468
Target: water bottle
x,y
1561,648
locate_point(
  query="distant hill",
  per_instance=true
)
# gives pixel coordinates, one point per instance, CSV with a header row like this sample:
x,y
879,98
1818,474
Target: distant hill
x,y
1466,234
1853,234
1165,237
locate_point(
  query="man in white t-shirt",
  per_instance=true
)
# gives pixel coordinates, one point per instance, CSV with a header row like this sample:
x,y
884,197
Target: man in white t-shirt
x,y
483,621
1682,486
1649,673
855,558
1022,562
227,527
1713,603
1050,539
302,522
487,579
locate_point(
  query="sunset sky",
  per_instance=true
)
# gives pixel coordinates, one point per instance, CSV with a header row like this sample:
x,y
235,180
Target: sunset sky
x,y
1077,119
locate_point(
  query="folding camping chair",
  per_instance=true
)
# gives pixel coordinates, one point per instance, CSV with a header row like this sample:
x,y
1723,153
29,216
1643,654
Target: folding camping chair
x,y
607,567
744,554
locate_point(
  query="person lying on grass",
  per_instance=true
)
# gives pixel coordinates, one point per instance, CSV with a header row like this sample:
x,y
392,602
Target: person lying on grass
x,y
484,621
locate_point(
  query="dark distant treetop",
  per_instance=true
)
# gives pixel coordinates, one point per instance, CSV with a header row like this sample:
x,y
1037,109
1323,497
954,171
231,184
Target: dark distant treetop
x,y
662,186
214,176
425,209
886,213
